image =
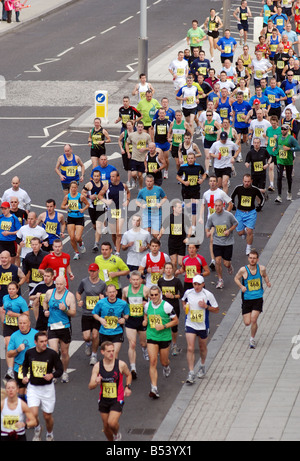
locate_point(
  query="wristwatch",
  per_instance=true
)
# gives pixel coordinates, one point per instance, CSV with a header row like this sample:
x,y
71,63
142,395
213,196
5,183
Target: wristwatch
x,y
129,386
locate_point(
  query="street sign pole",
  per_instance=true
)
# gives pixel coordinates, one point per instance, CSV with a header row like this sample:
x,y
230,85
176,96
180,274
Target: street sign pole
x,y
143,40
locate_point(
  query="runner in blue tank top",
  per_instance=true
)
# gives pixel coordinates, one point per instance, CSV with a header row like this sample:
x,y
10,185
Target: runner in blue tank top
x,y
250,280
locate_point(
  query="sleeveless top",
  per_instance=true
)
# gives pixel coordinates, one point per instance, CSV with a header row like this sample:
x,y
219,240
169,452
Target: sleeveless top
x,y
70,170
254,285
75,206
111,386
135,301
10,417
58,319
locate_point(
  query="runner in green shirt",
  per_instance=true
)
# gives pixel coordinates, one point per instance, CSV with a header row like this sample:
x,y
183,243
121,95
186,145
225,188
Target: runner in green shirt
x,y
286,146
195,36
159,317
148,106
272,133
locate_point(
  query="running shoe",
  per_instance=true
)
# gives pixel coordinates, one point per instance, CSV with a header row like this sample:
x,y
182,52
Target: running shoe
x,y
220,284
271,188
175,350
82,248
191,378
117,437
76,256
252,343
154,393
212,265
88,349
201,372
49,438
166,174
133,374
289,196
278,199
37,436
166,371
93,360
95,248
230,269
145,353
65,377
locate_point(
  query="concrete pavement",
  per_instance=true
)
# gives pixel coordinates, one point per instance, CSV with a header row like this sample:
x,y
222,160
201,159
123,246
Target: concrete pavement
x,y
246,394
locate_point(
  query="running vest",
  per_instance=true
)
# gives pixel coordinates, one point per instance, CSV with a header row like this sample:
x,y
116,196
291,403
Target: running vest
x,y
254,285
243,15
9,418
212,24
75,206
58,319
95,191
97,137
52,227
224,108
70,170
209,130
153,164
155,267
135,301
111,386
185,151
178,133
158,316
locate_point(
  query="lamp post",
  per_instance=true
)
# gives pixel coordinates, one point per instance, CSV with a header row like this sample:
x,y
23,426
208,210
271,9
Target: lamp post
x,y
143,40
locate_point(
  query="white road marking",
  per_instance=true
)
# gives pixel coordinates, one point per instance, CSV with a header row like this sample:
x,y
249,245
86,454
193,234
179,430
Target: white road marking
x,y
55,137
107,30
127,19
16,165
46,131
64,52
47,61
87,40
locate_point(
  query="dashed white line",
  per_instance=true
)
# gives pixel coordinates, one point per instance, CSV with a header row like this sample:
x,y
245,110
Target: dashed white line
x,y
107,30
157,1
16,165
87,40
127,19
66,51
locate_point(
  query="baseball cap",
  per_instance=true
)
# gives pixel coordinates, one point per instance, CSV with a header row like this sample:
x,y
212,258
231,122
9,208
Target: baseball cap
x,y
286,127
198,279
256,101
5,205
93,267
223,135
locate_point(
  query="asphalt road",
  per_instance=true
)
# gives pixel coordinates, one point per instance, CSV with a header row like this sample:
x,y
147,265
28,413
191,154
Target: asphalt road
x,y
38,134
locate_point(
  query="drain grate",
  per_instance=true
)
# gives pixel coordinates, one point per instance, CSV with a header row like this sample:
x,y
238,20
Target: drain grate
x,y
141,431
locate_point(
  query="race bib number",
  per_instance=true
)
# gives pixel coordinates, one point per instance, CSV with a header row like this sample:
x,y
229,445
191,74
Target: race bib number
x,y
151,201
245,201
71,170
91,302
152,166
11,321
51,227
155,276
176,229
73,205
28,241
254,285
224,151
136,310
193,180
141,144
109,390
111,322
220,230
190,100
258,166
6,225
154,320
36,275
227,49
9,422
115,213
283,153
39,369
191,271
161,129
6,278
197,316
180,72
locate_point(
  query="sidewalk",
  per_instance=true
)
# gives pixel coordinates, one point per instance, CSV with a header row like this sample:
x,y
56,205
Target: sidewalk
x,y
38,9
251,395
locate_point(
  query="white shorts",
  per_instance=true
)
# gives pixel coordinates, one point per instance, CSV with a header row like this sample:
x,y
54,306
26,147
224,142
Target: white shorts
x,y
43,396
179,83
